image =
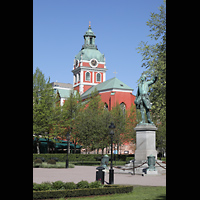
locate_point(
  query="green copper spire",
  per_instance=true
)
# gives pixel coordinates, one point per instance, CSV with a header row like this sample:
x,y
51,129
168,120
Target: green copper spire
x,y
89,39
89,49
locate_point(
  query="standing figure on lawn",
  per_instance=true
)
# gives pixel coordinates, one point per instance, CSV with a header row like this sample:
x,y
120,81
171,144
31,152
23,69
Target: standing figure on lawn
x,y
142,100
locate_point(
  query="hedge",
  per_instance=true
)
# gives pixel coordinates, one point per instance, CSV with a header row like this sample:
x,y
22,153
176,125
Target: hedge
x,y
63,156
111,189
78,157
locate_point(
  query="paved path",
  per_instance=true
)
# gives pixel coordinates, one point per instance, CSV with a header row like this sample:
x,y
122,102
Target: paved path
x,y
88,173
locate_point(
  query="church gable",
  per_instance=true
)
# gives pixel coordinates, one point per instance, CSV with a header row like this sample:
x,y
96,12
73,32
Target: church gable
x,y
109,85
111,92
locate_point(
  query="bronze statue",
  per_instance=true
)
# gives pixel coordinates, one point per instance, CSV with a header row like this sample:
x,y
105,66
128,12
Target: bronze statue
x,y
142,100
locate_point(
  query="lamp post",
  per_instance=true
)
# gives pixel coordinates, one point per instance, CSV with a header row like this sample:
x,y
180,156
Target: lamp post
x,y
68,149
111,170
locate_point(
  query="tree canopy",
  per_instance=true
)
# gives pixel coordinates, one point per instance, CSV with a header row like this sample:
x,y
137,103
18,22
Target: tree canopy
x,y
86,121
154,61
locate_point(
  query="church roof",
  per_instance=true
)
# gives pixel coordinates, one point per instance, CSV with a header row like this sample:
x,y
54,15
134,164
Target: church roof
x,y
88,54
113,83
65,93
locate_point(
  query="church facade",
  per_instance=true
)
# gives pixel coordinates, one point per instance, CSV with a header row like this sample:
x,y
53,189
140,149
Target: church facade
x,y
89,73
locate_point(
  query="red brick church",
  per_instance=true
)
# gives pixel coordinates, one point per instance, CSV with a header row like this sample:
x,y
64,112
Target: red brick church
x,y
89,72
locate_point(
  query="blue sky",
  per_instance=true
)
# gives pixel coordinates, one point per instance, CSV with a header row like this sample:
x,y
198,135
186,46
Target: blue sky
x,y
119,25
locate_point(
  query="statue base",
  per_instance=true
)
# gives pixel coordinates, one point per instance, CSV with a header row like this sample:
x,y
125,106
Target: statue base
x,y
145,142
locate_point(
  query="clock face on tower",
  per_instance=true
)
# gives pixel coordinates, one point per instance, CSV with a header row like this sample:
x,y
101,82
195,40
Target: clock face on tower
x,y
93,62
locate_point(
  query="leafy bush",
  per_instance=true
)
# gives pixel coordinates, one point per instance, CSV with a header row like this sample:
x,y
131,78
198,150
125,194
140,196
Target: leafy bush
x,y
79,157
128,159
58,185
39,161
43,186
82,184
70,185
57,165
51,161
81,192
87,163
35,186
96,184
41,158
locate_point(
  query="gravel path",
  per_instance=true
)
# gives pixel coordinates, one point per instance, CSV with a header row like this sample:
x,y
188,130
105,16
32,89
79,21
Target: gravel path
x,y
89,173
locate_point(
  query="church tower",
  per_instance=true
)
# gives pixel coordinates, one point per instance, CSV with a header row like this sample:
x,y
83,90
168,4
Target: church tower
x,y
89,64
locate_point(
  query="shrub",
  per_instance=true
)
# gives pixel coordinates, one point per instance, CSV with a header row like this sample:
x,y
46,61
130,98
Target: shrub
x,y
87,163
35,186
51,161
41,158
42,187
81,192
45,186
78,157
96,184
55,158
38,161
82,184
70,185
128,159
58,185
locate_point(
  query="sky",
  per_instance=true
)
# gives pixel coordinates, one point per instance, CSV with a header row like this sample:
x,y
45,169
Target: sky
x,y
119,25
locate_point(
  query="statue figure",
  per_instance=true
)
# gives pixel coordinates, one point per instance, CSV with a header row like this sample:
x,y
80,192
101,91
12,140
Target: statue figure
x,y
142,100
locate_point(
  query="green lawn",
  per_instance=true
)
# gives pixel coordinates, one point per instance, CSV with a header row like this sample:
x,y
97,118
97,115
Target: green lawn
x,y
57,165
71,164
138,193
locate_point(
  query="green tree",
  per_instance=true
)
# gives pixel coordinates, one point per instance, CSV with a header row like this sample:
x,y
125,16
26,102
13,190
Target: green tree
x,y
104,137
91,125
131,122
71,109
43,105
119,120
154,60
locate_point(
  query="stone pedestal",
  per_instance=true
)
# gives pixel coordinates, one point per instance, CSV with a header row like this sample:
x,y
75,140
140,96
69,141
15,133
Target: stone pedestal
x,y
145,142
149,172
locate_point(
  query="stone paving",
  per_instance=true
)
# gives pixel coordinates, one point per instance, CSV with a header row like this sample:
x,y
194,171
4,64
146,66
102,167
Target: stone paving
x,y
88,173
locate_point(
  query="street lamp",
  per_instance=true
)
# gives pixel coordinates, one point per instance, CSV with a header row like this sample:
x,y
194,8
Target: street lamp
x,y
111,170
68,149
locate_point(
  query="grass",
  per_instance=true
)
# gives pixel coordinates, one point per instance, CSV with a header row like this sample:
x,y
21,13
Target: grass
x,y
71,164
57,165
96,163
163,159
138,193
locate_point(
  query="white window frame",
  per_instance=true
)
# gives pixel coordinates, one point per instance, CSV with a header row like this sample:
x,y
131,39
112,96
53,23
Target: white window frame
x,y
100,77
86,76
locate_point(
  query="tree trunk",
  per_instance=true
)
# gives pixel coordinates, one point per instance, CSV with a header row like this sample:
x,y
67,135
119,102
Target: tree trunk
x,y
68,147
38,148
102,151
117,148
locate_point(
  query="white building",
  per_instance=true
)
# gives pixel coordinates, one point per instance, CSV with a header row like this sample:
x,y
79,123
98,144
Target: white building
x,y
63,90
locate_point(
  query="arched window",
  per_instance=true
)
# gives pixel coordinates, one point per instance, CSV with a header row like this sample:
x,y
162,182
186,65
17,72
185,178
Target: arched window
x,y
87,76
98,77
77,77
105,106
123,107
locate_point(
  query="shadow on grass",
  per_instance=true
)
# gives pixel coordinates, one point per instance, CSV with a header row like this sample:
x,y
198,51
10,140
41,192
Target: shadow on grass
x,y
161,197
